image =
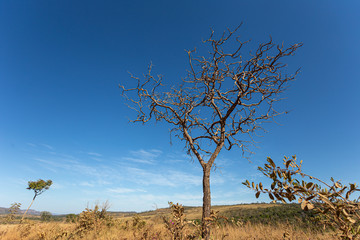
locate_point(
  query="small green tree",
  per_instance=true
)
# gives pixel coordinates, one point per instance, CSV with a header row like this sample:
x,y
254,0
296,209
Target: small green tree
x,y
39,187
45,216
13,210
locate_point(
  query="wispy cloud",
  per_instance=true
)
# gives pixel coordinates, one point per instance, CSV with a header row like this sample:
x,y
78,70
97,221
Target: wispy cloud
x,y
94,154
144,177
98,183
143,156
184,198
124,190
57,185
87,184
156,177
47,146
31,144
153,153
100,172
138,160
176,176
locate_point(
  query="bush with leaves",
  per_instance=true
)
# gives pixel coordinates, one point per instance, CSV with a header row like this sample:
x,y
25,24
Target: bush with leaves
x,y
45,216
331,201
71,218
93,219
176,223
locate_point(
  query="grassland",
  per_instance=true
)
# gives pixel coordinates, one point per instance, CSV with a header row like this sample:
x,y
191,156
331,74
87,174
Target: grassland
x,y
248,221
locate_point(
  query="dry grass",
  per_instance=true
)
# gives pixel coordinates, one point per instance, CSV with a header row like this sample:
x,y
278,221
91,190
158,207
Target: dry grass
x,y
122,230
94,224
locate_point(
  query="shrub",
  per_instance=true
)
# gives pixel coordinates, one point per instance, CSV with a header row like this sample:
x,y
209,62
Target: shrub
x,y
93,219
71,218
175,224
13,210
45,216
331,201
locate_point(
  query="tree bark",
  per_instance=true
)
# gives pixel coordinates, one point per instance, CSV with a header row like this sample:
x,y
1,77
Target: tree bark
x,y
28,209
206,203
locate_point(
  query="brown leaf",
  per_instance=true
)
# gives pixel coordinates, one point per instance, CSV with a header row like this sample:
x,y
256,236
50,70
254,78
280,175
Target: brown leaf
x,y
287,164
271,162
303,205
271,196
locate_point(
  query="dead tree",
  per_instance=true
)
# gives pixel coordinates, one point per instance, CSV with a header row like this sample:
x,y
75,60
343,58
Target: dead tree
x,y
220,104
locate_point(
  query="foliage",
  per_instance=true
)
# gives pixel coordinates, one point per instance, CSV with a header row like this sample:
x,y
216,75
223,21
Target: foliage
x,y
13,210
71,218
137,222
331,202
176,223
275,215
38,187
45,216
224,95
93,219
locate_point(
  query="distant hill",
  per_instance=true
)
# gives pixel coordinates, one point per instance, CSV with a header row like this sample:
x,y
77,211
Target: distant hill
x,y
30,212
241,213
244,212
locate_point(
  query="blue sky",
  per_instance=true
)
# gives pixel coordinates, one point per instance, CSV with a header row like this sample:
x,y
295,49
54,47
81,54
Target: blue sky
x,y
62,116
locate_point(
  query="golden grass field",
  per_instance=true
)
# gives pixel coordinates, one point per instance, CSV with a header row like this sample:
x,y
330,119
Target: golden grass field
x,y
150,225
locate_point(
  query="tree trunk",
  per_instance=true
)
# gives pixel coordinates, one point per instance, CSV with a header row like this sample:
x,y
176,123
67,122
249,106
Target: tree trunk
x,y
206,203
28,209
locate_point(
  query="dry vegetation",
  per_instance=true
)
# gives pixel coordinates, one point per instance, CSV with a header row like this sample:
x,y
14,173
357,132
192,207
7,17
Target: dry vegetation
x,y
228,222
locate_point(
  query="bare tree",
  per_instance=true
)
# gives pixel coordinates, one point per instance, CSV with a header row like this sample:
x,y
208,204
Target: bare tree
x,y
223,98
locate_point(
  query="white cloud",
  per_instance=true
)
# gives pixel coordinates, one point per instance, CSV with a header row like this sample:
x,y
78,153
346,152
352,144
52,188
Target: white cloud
x,y
97,159
47,146
153,153
87,184
162,178
138,160
124,190
94,154
56,185
143,177
184,178
100,172
142,156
